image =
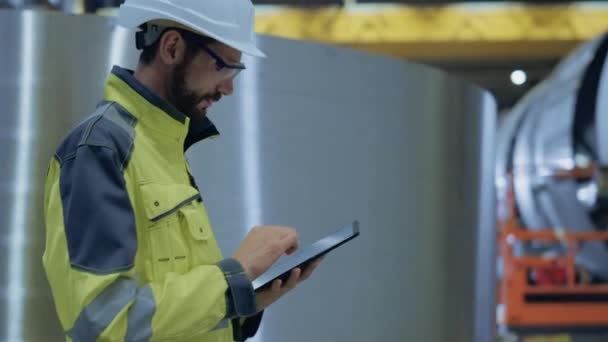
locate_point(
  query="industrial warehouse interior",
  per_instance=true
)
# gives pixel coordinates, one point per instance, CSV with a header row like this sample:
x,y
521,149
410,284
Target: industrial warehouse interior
x,y
303,170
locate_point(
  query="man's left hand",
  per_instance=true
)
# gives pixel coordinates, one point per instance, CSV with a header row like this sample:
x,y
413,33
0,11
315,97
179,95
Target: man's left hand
x,y
268,296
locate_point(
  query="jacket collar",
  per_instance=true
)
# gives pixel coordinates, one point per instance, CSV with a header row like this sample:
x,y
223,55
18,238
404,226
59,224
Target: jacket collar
x,y
122,87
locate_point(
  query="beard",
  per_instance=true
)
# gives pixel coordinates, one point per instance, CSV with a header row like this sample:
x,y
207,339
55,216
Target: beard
x,y
184,99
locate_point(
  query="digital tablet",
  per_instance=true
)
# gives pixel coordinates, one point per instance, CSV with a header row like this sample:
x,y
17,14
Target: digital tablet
x,y
305,255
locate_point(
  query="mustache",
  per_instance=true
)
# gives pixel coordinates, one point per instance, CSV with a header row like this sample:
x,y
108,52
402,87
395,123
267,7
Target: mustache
x,y
214,97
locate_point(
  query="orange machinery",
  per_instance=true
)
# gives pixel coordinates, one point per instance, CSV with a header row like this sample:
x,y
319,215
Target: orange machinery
x,y
567,304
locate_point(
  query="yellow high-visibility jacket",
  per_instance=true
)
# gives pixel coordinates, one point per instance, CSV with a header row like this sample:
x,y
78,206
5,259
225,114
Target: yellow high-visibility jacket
x,y
130,254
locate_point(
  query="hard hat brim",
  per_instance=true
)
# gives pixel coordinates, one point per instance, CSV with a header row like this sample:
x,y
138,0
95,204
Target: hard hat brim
x,y
133,15
248,49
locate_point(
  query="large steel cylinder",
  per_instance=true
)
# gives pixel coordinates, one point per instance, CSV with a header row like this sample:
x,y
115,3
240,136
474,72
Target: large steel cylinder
x,y
314,137
559,126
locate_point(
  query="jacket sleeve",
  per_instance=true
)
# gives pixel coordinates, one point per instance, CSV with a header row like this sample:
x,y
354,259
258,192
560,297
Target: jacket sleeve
x,y
90,262
244,328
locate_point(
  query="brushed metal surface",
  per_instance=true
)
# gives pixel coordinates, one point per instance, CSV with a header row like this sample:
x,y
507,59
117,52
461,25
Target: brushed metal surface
x,y
314,137
52,70
318,136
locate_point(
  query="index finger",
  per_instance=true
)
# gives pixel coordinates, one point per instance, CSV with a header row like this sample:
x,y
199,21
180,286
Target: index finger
x,y
290,243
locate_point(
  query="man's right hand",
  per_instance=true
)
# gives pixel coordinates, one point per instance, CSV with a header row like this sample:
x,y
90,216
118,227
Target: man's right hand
x,y
263,246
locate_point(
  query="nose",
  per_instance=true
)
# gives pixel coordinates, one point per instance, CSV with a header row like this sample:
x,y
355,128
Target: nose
x,y
226,87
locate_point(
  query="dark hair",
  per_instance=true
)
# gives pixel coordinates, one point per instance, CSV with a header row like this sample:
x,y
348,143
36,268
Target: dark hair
x,y
148,53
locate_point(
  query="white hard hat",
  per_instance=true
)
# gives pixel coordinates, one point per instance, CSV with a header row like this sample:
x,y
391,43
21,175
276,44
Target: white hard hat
x,y
228,21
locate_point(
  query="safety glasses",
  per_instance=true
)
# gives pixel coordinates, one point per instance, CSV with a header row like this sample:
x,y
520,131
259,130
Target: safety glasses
x,y
228,71
225,69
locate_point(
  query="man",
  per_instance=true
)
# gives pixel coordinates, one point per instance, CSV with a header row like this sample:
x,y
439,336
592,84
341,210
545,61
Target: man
x,y
130,254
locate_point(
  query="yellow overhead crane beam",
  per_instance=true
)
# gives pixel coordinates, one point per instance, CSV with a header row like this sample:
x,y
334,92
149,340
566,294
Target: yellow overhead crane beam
x,y
480,31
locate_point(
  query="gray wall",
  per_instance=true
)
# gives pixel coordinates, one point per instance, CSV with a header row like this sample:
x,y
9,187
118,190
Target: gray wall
x,y
313,137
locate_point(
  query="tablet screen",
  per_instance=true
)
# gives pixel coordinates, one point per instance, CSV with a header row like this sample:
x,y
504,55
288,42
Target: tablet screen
x,y
305,255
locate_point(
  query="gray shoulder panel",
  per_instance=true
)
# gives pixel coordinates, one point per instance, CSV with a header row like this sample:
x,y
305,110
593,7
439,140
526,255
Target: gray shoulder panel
x,y
98,216
115,129
110,126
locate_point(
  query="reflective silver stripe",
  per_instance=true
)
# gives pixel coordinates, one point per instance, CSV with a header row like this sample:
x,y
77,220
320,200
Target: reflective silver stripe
x,y
98,315
223,324
139,326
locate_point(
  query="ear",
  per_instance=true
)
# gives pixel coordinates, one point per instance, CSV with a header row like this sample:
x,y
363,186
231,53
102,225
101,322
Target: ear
x,y
172,48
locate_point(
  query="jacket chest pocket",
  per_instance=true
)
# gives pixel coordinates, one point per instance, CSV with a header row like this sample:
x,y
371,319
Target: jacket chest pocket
x,y
178,233
202,244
